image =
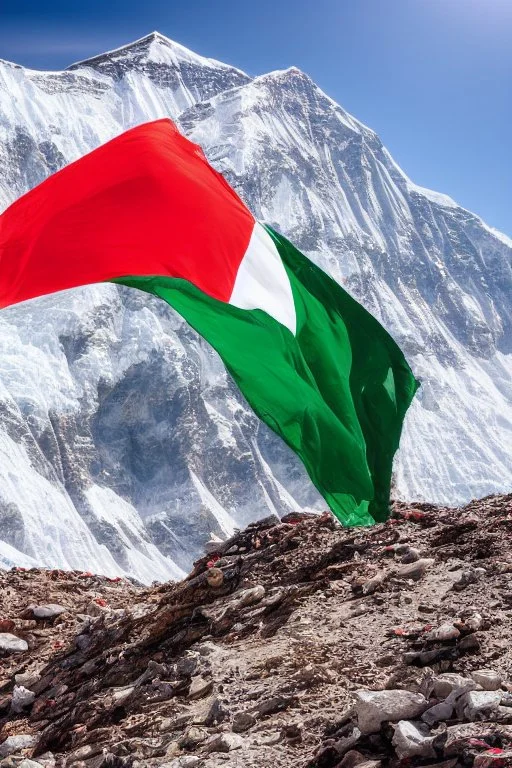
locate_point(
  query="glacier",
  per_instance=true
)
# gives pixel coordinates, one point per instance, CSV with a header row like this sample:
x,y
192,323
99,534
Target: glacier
x,y
123,442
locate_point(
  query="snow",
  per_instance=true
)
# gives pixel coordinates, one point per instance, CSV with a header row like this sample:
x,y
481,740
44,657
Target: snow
x,y
224,519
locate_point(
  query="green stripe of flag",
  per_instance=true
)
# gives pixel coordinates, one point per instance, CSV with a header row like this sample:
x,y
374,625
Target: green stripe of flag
x,y
336,392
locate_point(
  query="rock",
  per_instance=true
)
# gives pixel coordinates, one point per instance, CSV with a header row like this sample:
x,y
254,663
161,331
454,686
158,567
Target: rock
x,y
351,759
427,658
199,687
469,576
443,633
477,705
121,695
95,609
487,679
12,644
26,679
184,667
376,707
207,648
444,710
506,699
347,742
412,739
21,698
186,761
85,752
268,739
469,643
364,586
47,759
212,712
224,742
49,611
14,744
411,556
415,570
242,721
192,737
449,681
7,625
273,705
214,544
292,733
248,597
26,763
214,577
473,623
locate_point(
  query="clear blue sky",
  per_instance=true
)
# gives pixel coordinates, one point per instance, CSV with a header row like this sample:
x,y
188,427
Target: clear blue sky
x,y
432,77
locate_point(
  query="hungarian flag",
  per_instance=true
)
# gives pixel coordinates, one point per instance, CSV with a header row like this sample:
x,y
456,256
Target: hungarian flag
x,y
148,211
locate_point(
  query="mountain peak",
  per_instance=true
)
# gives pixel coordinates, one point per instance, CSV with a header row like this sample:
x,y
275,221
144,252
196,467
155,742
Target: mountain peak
x,y
155,48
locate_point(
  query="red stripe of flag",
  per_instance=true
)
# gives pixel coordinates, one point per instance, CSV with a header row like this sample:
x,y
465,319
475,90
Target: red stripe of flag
x,y
146,203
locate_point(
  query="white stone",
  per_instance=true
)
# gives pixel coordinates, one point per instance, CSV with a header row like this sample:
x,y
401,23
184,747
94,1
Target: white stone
x,y
376,707
488,679
224,742
187,761
50,611
21,698
12,644
199,687
415,570
444,632
14,744
477,705
449,681
412,739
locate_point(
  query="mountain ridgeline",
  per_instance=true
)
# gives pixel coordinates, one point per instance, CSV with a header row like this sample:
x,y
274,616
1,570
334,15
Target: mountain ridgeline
x,y
123,442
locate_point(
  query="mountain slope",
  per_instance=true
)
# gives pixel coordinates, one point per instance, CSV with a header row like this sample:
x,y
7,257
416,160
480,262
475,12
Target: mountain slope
x,y
123,442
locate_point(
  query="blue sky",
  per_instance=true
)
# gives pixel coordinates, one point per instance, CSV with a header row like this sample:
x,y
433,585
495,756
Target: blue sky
x,y
432,77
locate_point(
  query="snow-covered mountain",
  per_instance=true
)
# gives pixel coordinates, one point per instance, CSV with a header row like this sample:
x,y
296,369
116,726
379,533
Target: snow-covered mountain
x,y
123,442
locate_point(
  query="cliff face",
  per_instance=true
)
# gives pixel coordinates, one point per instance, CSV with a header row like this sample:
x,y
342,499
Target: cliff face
x,y
123,442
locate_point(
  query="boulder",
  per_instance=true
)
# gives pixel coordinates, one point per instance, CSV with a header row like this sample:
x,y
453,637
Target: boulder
x,y
443,633
199,687
242,721
14,744
487,679
21,698
248,597
415,570
376,707
49,611
477,705
444,709
413,739
192,737
449,681
224,742
12,644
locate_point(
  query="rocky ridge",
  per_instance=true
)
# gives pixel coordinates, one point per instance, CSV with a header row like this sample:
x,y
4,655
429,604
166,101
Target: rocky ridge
x,y
293,643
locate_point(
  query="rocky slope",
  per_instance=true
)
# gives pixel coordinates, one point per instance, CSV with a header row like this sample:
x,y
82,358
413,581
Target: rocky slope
x,y
295,643
122,441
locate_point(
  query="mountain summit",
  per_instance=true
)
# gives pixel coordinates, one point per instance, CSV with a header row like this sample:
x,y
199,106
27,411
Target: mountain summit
x,y
123,443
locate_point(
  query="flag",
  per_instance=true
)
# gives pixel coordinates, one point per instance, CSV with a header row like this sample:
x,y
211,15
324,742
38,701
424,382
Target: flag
x,y
147,210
